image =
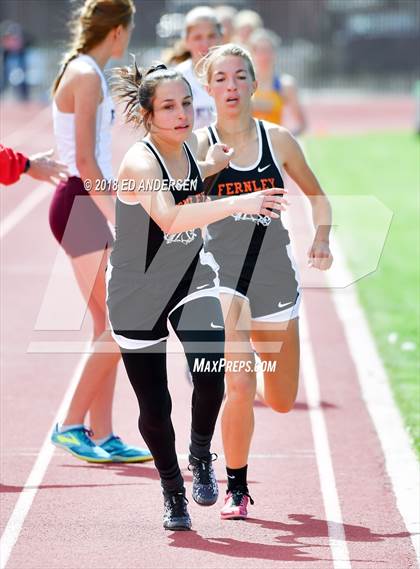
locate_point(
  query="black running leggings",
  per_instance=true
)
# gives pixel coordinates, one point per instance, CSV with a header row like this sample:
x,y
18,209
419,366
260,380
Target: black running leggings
x,y
199,326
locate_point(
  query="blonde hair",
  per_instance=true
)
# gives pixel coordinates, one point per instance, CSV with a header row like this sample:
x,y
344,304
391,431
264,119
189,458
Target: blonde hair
x,y
226,16
248,18
225,12
204,66
200,14
90,24
262,34
180,52
137,88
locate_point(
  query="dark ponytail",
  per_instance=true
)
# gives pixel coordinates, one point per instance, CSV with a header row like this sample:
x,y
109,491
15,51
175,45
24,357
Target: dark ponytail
x,y
125,84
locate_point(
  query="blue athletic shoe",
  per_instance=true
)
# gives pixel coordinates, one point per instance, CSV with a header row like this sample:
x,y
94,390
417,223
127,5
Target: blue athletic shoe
x,y
121,452
78,442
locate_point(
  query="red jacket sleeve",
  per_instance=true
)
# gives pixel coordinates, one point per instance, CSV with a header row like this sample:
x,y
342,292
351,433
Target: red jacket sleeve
x,y
12,165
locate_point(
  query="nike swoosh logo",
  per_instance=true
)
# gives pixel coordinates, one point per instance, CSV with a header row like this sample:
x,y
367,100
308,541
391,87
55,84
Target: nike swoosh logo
x,y
200,287
229,476
265,168
284,305
68,439
215,325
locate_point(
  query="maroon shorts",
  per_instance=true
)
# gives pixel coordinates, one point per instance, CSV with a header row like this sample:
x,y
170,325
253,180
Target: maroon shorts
x,y
76,221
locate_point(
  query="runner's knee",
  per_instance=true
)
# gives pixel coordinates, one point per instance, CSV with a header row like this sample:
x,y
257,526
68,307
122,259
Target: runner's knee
x,y
282,406
240,387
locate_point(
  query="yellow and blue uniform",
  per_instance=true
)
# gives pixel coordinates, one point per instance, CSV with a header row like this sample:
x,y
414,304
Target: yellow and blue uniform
x,y
269,105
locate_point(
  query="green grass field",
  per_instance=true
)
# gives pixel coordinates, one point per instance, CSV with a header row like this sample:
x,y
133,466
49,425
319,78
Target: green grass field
x,y
384,165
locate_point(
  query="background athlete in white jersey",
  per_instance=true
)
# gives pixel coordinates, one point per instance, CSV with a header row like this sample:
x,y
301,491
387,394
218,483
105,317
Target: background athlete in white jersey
x,y
202,31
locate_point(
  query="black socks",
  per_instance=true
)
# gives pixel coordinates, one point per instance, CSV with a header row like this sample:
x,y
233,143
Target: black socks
x,y
236,477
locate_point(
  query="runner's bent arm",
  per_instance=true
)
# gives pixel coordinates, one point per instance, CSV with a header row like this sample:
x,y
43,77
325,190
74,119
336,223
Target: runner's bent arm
x,y
290,153
143,170
214,158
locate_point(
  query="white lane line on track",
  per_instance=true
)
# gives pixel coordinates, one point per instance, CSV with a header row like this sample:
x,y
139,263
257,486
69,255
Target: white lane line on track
x,y
37,195
336,534
288,455
34,480
400,460
376,392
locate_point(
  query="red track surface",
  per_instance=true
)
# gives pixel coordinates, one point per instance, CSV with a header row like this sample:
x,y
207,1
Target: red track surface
x,y
110,516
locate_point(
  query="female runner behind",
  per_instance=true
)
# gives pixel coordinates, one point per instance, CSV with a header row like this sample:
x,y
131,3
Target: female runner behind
x,y
202,31
226,16
276,93
246,22
83,113
259,289
159,272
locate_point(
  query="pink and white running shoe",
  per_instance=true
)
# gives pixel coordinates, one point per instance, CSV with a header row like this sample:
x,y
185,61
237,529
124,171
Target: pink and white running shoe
x,y
236,502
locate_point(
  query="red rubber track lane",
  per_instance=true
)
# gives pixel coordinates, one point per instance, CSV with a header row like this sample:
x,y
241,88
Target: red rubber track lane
x,y
352,114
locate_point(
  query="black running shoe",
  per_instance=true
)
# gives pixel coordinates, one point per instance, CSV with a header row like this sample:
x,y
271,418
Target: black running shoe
x,y
205,490
175,513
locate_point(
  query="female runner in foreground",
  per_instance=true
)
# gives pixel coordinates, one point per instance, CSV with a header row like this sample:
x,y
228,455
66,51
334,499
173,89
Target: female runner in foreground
x,y
83,114
259,290
158,272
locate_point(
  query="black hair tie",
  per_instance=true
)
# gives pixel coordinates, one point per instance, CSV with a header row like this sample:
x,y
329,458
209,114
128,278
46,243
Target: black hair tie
x,y
159,67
